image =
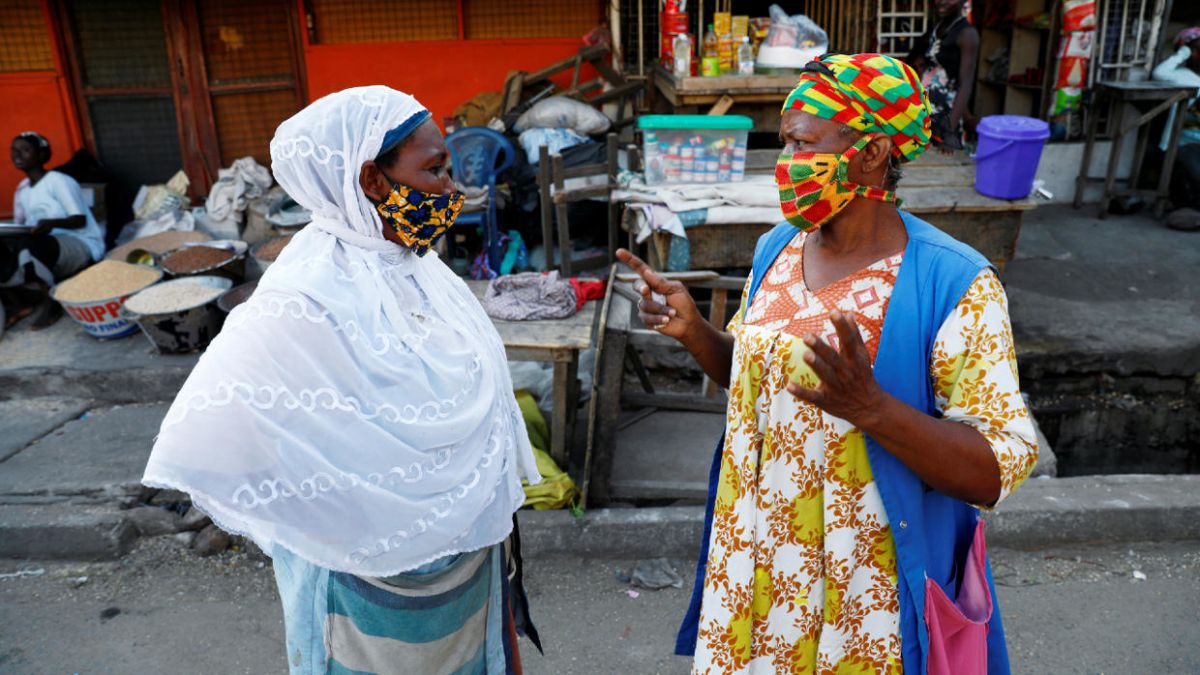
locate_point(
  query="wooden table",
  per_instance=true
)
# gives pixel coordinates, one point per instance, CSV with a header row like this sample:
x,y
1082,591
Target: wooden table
x,y
557,342
1160,97
756,96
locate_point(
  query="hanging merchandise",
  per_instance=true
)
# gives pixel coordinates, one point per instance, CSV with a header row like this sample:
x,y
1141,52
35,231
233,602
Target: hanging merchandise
x,y
1074,56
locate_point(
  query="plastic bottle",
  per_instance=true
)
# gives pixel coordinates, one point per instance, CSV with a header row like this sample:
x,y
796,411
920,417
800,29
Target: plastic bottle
x,y
745,58
682,52
710,65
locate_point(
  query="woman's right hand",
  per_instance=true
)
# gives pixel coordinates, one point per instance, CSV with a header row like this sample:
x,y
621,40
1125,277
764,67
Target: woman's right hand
x,y
678,315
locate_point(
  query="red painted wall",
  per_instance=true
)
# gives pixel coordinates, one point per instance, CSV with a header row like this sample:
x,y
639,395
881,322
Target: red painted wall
x,y
441,75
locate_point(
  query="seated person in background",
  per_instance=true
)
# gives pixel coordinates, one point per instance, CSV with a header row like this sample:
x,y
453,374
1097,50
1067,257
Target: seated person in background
x,y
63,238
1183,68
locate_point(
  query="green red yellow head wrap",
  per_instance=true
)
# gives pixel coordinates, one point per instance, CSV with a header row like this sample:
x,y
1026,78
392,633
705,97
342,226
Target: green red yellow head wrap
x,y
872,93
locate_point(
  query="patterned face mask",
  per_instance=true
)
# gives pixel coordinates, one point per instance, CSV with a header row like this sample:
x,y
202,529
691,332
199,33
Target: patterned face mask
x,y
419,218
814,187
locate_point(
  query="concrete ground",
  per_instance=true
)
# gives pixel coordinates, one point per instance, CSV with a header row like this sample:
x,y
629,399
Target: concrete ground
x,y
1079,609
1119,295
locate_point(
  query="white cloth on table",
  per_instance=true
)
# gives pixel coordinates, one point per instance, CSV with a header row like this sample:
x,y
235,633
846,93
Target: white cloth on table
x,y
756,190
357,409
57,195
1174,70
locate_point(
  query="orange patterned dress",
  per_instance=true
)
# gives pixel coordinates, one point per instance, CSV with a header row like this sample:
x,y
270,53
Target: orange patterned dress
x,y
802,568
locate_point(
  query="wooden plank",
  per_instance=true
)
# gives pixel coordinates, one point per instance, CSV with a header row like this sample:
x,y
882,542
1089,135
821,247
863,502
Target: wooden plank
x,y
586,53
722,105
937,175
721,246
716,318
923,200
562,423
545,205
733,85
585,170
728,283
607,388
561,196
614,209
686,277
598,385
560,214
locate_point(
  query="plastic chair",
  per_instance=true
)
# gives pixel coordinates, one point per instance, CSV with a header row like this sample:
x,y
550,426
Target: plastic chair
x,y
477,156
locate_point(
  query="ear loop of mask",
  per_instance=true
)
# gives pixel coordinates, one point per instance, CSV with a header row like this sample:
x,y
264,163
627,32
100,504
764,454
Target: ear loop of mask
x,y
842,175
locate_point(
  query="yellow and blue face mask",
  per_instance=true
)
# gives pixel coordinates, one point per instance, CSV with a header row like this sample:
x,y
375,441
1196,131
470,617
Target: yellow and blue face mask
x,y
418,218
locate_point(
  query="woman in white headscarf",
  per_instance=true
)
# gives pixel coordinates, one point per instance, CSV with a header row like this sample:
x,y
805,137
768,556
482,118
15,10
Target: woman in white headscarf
x,y
355,417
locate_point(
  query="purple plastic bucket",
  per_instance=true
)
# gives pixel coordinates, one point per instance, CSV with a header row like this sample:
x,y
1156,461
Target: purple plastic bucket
x,y
1006,160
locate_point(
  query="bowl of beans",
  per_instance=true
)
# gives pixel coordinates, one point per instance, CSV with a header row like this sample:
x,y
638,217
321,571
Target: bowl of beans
x,y
180,315
222,257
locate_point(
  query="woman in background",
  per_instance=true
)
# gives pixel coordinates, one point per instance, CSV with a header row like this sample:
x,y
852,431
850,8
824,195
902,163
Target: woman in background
x,y
947,64
63,235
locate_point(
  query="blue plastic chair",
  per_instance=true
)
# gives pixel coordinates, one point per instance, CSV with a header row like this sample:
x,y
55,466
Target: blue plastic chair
x,y
477,156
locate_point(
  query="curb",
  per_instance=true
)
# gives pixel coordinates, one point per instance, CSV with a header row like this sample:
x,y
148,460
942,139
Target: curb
x,y
64,531
1044,512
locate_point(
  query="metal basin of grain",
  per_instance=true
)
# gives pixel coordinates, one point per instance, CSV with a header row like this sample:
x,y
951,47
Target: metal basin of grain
x,y
264,253
222,257
236,296
181,315
93,298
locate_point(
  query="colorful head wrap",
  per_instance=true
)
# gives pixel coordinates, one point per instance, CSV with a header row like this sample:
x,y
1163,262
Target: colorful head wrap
x,y
1187,36
872,93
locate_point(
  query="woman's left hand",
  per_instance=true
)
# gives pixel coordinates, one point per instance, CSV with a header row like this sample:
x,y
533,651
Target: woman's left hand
x,y
848,388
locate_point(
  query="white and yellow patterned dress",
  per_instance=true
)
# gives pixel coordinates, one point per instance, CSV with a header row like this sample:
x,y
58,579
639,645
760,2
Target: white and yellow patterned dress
x,y
801,573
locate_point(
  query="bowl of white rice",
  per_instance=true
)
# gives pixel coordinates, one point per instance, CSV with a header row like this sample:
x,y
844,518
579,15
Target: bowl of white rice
x,y
181,315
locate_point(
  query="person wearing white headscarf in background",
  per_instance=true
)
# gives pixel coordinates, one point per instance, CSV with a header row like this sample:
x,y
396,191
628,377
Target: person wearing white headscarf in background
x,y
355,417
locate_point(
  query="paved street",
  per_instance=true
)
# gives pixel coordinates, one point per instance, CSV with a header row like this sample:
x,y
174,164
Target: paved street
x,y
1069,610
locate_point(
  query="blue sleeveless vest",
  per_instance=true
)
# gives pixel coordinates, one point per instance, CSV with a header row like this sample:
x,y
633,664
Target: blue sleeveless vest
x,y
932,532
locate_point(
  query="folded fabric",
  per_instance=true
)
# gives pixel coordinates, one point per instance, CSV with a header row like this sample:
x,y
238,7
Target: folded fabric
x,y
529,297
758,190
587,290
556,140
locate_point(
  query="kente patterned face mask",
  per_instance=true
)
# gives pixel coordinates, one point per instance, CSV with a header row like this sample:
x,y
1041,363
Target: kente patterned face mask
x,y
419,218
814,186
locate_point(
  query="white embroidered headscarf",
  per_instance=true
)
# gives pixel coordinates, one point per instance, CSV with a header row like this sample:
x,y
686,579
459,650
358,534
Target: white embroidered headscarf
x,y
358,409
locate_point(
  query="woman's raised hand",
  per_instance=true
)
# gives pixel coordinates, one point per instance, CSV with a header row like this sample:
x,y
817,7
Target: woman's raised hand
x,y
676,315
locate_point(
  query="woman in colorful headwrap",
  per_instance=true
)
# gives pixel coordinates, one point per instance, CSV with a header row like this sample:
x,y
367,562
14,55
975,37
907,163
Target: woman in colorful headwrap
x,y
873,400
355,417
1183,68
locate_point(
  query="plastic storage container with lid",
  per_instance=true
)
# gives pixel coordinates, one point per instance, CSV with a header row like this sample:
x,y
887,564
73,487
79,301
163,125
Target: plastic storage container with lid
x,y
694,148
1006,161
